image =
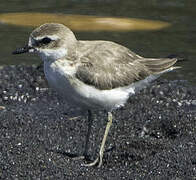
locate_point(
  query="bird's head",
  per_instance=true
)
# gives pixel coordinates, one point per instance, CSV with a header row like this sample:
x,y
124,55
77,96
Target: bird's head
x,y
51,41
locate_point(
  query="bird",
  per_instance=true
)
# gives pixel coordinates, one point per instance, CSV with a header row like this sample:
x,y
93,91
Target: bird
x,y
93,75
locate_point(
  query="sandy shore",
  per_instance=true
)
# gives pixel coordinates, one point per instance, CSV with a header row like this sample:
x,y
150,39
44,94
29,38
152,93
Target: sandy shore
x,y
152,137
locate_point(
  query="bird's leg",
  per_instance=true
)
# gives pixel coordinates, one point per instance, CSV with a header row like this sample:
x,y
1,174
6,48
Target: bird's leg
x,y
90,120
85,153
101,151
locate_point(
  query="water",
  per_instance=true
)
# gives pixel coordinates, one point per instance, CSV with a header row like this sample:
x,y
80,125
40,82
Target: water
x,y
178,39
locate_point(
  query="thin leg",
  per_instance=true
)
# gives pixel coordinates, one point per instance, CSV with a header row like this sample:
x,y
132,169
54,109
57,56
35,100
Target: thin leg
x,y
85,154
90,120
101,151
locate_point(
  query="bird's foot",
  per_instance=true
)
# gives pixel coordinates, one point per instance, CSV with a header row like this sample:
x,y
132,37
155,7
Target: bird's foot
x,y
98,161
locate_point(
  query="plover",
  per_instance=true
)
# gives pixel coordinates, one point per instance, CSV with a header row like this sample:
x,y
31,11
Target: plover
x,y
92,74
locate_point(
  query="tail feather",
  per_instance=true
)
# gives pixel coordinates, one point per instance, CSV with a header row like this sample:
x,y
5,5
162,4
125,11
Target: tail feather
x,y
157,66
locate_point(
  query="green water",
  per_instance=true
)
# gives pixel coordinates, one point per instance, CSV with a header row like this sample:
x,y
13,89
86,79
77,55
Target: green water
x,y
178,39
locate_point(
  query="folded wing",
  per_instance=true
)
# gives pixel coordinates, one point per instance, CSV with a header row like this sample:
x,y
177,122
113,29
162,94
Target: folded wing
x,y
109,65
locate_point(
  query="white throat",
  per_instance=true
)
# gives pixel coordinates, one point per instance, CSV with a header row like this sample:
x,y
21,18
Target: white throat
x,y
52,54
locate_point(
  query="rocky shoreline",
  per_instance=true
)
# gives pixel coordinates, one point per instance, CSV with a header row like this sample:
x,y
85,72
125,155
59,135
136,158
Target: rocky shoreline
x,y
152,137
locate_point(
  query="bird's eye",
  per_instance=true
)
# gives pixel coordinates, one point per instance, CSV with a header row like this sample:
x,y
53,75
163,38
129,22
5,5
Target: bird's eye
x,y
46,40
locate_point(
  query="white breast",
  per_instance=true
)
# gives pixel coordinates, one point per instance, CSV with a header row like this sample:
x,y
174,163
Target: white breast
x,y
61,78
58,79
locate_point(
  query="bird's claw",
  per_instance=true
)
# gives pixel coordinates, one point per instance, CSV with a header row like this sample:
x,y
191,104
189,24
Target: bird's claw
x,y
94,163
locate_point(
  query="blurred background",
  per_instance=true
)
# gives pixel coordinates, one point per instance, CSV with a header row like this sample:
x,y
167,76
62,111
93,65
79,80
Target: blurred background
x,y
176,39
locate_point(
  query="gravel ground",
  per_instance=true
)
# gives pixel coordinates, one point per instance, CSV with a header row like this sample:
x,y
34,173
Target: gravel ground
x,y
152,137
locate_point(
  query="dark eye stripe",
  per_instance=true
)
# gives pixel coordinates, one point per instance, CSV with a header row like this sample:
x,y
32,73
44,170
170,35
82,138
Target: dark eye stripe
x,y
45,40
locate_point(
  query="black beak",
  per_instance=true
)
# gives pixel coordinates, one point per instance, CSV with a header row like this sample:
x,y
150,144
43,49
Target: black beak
x,y
22,50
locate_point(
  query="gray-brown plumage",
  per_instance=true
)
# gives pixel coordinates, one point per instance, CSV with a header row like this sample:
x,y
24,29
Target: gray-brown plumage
x,y
81,70
102,64
108,65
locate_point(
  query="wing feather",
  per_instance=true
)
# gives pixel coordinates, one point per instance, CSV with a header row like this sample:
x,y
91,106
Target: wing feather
x,y
109,65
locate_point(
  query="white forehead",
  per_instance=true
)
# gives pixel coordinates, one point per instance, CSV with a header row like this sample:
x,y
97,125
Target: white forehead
x,y
38,38
52,37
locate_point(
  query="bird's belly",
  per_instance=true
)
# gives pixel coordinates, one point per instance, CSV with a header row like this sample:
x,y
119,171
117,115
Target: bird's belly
x,y
79,94
105,99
